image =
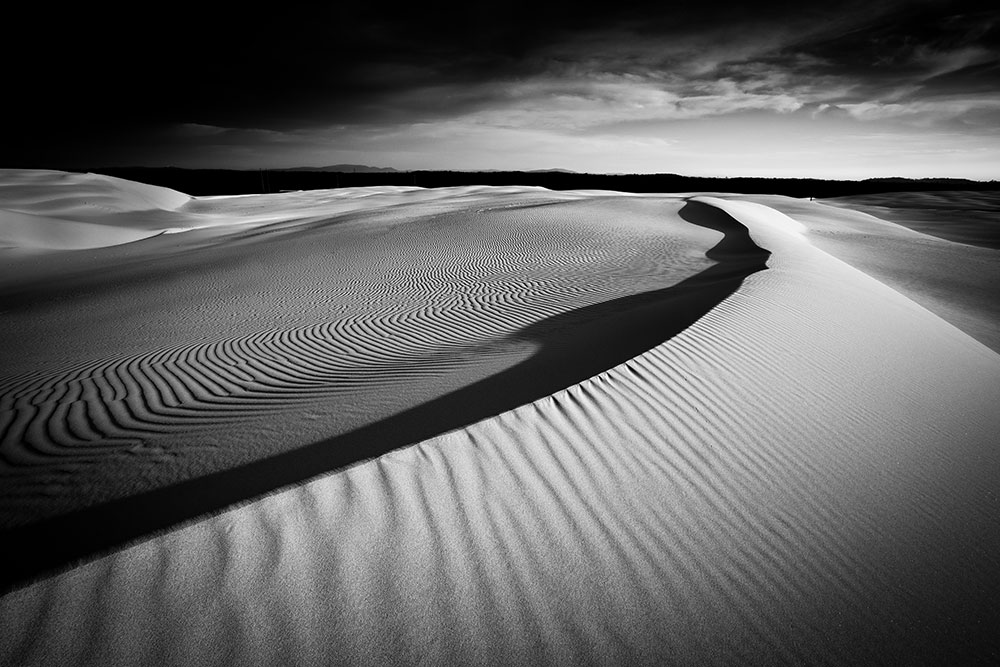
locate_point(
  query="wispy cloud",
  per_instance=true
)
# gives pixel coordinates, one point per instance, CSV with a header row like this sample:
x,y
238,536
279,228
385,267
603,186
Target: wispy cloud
x,y
924,112
523,84
875,63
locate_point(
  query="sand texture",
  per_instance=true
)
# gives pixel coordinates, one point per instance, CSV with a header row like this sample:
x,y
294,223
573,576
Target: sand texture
x,y
955,280
496,426
971,218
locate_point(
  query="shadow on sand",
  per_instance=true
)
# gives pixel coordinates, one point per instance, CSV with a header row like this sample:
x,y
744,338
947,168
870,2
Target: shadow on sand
x,y
572,347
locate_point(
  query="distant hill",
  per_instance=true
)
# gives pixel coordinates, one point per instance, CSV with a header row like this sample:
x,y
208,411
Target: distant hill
x,y
345,169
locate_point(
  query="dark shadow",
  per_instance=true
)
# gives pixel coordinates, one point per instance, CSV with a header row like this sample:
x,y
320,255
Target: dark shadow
x,y
573,346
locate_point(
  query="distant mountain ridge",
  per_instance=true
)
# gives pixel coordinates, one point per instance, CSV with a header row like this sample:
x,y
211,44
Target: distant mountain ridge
x,y
345,169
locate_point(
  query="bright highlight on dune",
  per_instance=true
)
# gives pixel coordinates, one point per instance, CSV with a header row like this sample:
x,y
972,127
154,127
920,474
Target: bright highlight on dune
x,y
488,425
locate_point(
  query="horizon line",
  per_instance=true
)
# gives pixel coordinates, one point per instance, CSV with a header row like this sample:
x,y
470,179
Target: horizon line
x,y
566,172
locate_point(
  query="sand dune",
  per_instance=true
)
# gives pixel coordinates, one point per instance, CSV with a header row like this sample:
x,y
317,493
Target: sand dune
x,y
954,280
276,336
956,215
802,471
37,232
53,210
75,196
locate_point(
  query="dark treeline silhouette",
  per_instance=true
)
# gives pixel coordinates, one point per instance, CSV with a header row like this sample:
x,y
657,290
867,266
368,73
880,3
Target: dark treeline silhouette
x,y
226,181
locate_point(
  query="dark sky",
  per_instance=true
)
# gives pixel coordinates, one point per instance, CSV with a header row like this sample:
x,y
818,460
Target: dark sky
x,y
842,89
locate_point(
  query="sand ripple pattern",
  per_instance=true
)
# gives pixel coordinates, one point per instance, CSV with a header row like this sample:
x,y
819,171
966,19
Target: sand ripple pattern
x,y
431,302
774,485
124,402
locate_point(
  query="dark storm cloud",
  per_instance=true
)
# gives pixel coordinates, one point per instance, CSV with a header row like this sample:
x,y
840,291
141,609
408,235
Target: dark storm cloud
x,y
96,81
938,47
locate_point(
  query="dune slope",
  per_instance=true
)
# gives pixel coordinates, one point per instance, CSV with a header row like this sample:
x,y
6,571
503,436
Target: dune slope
x,y
567,347
961,216
954,280
805,474
199,352
53,210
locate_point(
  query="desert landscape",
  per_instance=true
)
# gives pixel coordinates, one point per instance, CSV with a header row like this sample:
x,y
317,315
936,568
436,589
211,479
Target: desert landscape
x,y
496,425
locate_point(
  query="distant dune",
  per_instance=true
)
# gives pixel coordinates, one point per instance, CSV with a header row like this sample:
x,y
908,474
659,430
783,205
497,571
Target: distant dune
x,y
956,215
491,425
926,261
52,210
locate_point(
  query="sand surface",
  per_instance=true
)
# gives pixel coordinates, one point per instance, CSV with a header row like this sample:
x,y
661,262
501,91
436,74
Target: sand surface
x,y
966,217
578,428
954,280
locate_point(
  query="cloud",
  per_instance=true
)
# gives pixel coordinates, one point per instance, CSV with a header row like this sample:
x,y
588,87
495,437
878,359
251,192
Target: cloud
x,y
924,112
573,106
873,59
197,130
350,75
938,62
213,134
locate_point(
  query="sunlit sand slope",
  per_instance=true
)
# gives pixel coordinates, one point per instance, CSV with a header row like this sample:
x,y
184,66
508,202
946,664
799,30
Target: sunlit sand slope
x,y
196,352
807,474
54,210
956,281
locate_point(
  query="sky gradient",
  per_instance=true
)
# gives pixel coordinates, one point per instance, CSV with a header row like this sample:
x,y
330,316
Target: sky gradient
x,y
845,90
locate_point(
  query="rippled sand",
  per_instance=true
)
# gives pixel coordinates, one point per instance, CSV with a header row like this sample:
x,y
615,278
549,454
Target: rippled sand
x,y
494,426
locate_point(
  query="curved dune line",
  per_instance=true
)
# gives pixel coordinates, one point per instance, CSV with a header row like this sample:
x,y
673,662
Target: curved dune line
x,y
214,383
470,307
307,363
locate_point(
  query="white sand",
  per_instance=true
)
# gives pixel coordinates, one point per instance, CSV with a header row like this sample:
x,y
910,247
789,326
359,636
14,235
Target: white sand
x,y
954,280
54,210
806,474
143,365
962,216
